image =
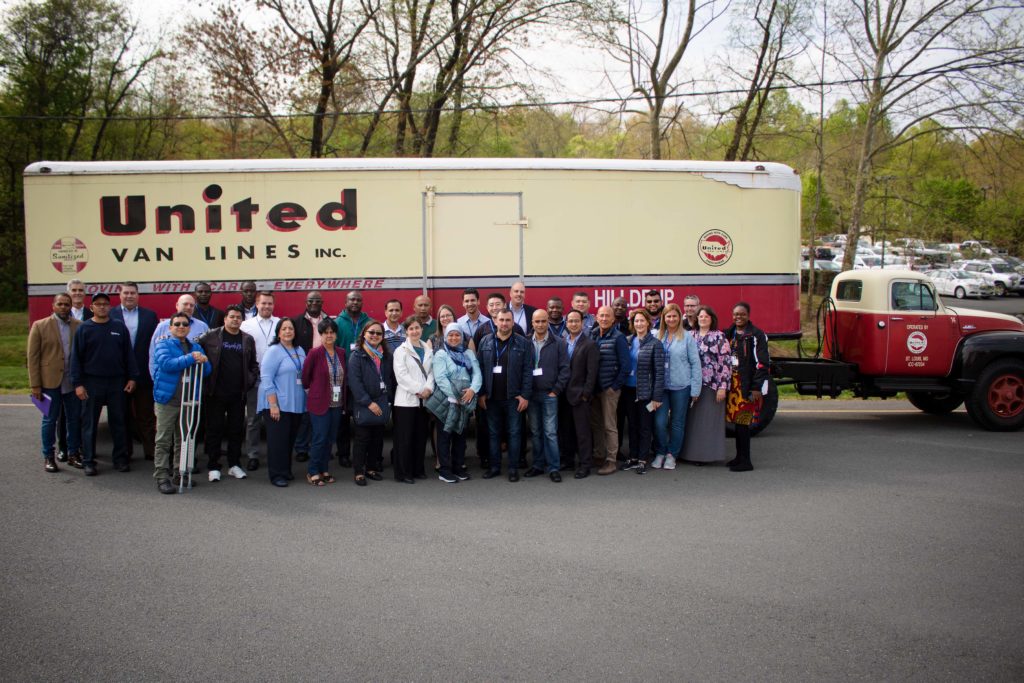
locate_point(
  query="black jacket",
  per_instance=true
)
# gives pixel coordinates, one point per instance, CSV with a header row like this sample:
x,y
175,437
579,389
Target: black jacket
x,y
363,379
554,362
212,342
304,331
583,368
212,317
148,321
517,363
751,349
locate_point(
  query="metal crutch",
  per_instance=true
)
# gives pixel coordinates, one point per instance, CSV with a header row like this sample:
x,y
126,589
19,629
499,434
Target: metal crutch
x,y
188,422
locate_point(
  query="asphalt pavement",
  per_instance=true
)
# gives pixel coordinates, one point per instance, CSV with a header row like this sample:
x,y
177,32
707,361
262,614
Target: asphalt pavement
x,y
871,542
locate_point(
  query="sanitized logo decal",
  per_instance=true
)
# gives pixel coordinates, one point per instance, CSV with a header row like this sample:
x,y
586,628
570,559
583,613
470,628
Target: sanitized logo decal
x,y
917,343
69,255
715,247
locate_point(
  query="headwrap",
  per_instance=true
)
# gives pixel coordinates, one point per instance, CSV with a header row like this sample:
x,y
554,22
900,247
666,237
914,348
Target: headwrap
x,y
455,352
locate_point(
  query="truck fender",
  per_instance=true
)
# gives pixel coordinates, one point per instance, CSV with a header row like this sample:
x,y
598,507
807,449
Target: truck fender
x,y
978,351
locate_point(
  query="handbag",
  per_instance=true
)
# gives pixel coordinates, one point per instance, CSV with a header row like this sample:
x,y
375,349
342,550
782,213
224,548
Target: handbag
x,y
364,417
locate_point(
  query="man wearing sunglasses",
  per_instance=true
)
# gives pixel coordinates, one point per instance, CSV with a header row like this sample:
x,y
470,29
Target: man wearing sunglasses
x,y
197,328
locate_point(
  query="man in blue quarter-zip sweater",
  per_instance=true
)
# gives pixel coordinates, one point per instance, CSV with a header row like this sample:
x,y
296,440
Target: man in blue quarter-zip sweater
x,y
103,369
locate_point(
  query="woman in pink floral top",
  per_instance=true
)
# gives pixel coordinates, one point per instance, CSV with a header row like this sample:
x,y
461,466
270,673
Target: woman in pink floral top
x,y
705,422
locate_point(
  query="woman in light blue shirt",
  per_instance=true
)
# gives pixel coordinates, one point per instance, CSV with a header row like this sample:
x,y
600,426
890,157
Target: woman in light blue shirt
x,y
682,387
281,400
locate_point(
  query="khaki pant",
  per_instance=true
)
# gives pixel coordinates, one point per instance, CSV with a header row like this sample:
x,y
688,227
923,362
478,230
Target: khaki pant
x,y
603,425
168,440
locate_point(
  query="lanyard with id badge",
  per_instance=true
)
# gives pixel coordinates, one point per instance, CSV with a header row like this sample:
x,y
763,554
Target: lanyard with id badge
x,y
334,364
498,353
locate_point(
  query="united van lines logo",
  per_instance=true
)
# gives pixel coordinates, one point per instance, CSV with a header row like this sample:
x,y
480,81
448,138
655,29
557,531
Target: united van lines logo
x,y
715,247
69,255
917,343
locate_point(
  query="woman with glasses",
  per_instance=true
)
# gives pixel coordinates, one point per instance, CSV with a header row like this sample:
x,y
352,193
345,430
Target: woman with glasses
x,y
445,317
323,376
705,424
371,380
172,356
281,400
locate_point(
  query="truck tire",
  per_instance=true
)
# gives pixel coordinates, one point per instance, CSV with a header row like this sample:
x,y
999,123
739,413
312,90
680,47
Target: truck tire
x,y
934,402
997,401
767,414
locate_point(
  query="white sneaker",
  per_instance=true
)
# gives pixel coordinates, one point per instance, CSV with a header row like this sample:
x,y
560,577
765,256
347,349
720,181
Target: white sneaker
x,y
658,460
214,475
237,472
670,462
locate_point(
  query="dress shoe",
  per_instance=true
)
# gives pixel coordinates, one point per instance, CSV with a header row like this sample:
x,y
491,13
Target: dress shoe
x,y
252,465
375,476
582,473
555,477
741,467
609,467
421,475
301,457
513,476
406,480
532,472
123,467
50,465
165,486
90,469
279,482
62,456
491,474
75,460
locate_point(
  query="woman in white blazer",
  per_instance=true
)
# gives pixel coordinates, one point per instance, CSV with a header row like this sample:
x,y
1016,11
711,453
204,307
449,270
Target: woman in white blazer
x,y
414,377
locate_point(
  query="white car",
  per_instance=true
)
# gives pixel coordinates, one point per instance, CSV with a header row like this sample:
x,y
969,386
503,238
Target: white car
x,y
960,284
1001,276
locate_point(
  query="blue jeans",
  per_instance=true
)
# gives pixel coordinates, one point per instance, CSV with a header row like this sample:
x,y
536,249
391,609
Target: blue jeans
x,y
670,421
73,410
503,418
325,433
109,392
544,431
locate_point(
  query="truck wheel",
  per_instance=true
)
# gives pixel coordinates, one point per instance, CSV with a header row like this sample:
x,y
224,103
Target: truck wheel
x,y
935,402
959,293
997,402
767,414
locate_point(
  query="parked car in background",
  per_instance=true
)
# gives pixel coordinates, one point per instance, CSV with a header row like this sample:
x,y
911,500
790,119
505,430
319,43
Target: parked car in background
x,y
820,264
960,283
1001,276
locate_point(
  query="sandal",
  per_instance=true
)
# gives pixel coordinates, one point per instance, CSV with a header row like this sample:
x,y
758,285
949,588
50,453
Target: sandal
x,y
374,475
360,480
314,480
327,477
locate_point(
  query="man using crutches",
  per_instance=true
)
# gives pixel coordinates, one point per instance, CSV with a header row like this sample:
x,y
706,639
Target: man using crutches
x,y
176,392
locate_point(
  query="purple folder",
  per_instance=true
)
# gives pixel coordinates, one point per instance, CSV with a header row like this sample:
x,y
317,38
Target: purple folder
x,y
42,403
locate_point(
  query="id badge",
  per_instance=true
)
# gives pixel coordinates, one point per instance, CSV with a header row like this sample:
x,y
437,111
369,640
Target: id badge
x,y
735,362
497,369
537,372
352,346
382,385
335,394
298,380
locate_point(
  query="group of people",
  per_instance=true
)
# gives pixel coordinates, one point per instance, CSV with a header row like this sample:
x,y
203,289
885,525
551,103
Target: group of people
x,y
573,384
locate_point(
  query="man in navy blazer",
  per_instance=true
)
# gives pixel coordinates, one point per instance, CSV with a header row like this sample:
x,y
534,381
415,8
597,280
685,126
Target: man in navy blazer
x,y
141,324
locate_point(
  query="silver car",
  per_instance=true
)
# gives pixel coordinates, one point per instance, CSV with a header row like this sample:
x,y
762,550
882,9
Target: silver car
x,y
960,283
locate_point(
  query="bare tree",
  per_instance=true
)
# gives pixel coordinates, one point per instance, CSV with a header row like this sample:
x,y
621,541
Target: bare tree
x,y
768,33
954,62
650,38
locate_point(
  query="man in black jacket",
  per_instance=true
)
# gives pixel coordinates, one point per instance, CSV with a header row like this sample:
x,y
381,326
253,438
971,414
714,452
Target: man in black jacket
x,y
203,310
232,354
550,377
103,369
506,363
141,323
584,360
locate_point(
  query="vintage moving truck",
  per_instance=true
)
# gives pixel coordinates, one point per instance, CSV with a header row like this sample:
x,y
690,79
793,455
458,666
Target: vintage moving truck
x,y
398,227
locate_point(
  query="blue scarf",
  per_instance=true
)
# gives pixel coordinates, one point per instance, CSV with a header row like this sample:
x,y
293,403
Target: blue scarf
x,y
457,355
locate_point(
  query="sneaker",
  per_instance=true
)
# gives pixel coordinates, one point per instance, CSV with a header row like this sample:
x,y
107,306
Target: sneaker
x,y
165,486
670,462
641,467
237,472
62,456
629,465
463,475
658,461
252,465
90,469
214,475
448,478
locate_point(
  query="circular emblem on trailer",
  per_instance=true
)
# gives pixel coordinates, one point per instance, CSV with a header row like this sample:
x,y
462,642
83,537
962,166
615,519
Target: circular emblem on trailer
x,y
715,247
917,342
69,255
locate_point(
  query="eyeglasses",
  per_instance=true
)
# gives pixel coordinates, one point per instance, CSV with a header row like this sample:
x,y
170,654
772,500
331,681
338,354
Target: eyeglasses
x,y
373,333
180,324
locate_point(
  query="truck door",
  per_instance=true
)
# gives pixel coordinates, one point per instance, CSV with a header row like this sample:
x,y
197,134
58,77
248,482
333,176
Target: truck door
x,y
469,235
922,336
